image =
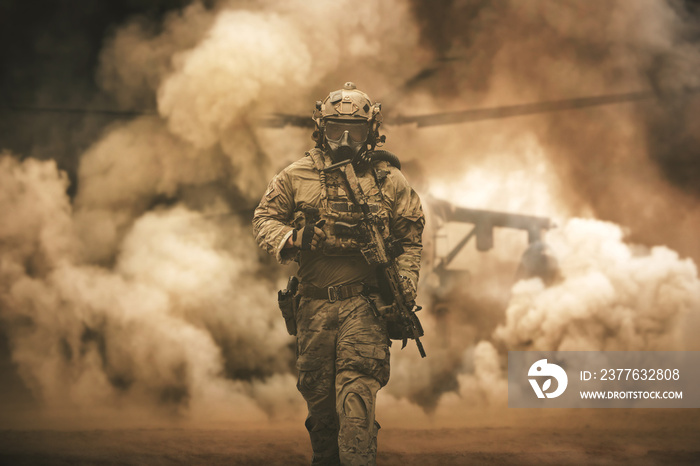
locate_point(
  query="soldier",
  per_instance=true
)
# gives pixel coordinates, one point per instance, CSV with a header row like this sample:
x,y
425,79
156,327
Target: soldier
x,y
309,214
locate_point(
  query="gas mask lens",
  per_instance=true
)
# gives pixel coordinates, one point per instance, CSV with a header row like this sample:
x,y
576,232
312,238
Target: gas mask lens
x,y
357,131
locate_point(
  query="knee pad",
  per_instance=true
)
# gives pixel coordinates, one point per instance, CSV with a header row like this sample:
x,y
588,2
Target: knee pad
x,y
354,406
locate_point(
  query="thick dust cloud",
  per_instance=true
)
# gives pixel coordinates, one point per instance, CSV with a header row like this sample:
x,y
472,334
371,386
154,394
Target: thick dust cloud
x,y
144,289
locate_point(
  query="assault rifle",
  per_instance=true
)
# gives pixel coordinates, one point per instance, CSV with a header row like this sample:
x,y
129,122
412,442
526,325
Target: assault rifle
x,y
401,318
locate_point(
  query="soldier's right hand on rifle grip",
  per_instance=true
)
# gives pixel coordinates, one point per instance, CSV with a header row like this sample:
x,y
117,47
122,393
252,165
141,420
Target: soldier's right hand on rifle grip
x,y
308,238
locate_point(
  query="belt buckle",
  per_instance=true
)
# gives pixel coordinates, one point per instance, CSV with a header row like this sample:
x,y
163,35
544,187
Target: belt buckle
x,y
332,294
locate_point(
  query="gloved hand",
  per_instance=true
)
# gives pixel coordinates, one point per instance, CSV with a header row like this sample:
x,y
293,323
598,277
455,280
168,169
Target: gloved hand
x,y
310,237
408,288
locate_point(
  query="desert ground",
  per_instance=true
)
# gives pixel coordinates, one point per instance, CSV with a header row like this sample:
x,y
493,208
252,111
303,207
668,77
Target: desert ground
x,y
503,437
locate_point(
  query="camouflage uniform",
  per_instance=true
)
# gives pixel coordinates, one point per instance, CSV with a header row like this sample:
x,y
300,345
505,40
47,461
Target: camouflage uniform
x,y
342,347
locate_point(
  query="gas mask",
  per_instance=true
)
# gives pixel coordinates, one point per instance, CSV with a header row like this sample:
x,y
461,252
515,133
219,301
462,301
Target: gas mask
x,y
346,139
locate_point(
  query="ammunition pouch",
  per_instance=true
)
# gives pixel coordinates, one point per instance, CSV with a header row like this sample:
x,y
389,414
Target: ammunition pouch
x,y
288,301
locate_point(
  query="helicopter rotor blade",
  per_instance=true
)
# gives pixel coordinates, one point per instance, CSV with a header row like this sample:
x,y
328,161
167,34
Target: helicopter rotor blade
x,y
280,120
481,114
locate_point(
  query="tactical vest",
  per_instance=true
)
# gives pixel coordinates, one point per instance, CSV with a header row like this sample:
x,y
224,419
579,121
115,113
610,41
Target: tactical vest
x,y
344,221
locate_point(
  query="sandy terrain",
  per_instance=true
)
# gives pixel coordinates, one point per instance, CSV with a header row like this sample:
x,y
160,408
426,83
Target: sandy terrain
x,y
607,437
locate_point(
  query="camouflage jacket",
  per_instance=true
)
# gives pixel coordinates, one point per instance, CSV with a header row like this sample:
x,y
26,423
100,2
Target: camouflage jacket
x,y
299,185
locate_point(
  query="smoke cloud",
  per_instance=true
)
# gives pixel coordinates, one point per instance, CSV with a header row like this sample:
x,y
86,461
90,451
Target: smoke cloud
x,y
178,322
613,297
144,290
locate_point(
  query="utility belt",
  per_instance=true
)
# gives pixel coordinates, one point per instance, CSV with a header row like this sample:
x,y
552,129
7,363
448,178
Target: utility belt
x,y
336,293
288,299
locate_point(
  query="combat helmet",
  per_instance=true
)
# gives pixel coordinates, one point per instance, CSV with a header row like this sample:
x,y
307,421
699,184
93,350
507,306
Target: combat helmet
x,y
347,123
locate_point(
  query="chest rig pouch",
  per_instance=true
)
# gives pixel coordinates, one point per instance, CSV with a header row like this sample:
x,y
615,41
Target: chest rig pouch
x,y
345,233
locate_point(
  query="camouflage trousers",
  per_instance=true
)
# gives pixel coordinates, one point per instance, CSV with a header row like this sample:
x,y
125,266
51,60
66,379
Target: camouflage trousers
x,y
343,360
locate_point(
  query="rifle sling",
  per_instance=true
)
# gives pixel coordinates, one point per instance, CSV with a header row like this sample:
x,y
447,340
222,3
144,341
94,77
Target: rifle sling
x,y
358,196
